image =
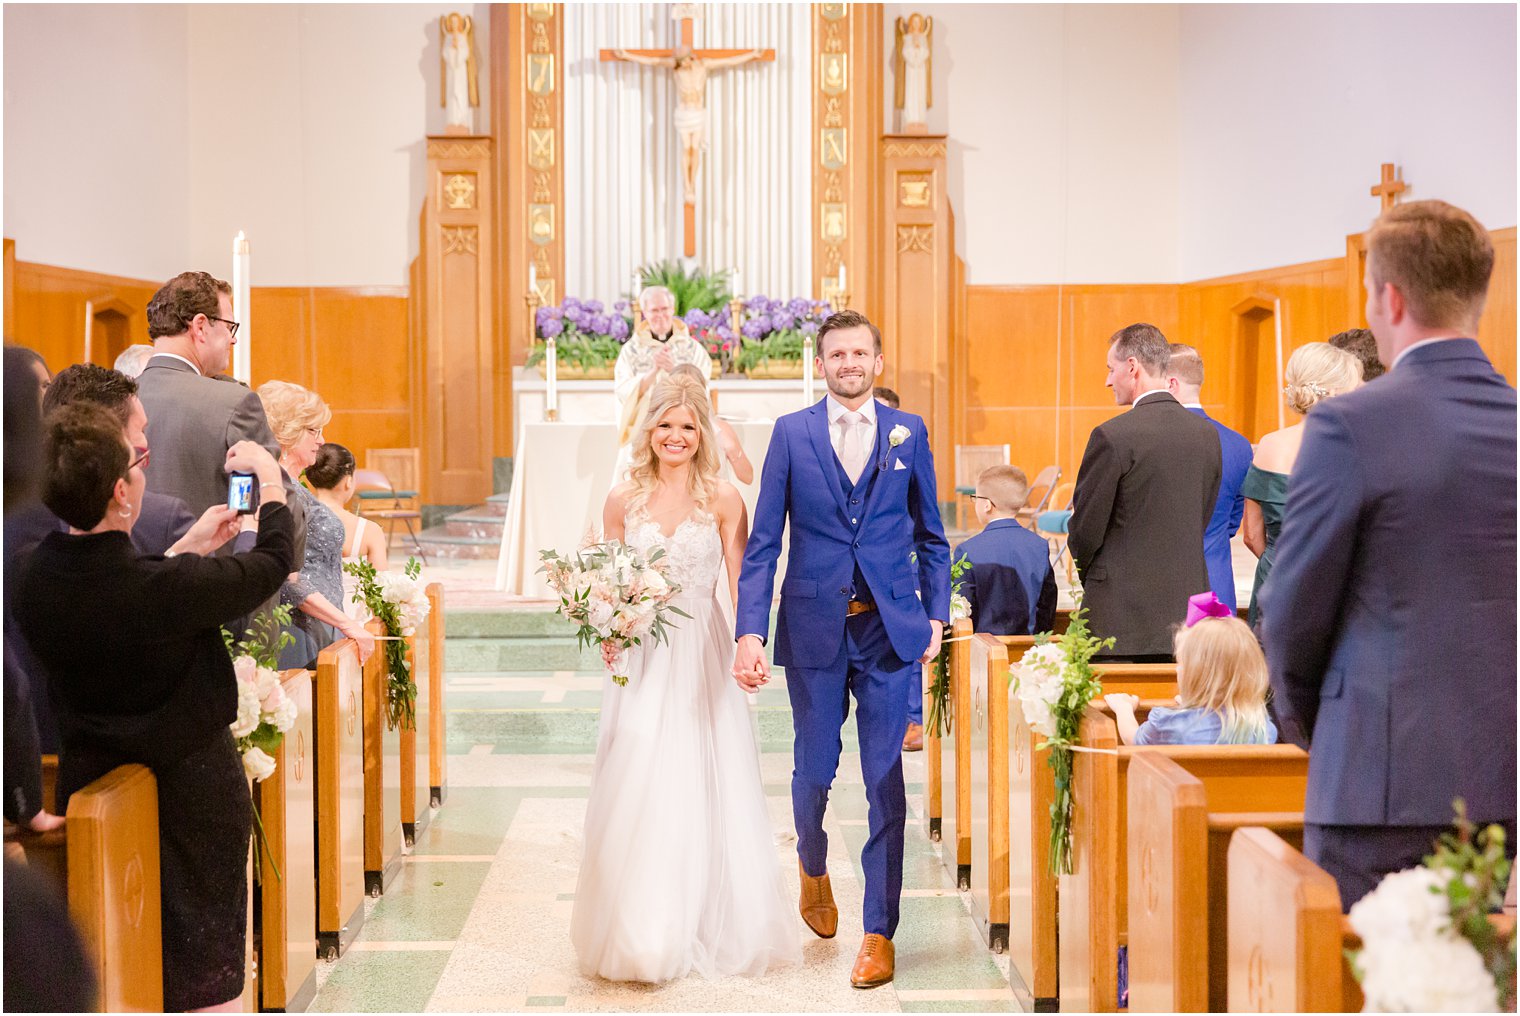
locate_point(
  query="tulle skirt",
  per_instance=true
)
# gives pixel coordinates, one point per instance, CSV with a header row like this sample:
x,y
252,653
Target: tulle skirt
x,y
679,871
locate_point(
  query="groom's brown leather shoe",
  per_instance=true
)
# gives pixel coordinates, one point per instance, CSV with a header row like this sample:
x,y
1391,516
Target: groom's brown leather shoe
x,y
913,740
875,964
817,904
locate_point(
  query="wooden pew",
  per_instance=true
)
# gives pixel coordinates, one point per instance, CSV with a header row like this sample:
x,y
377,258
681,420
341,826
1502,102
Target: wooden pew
x,y
934,799
287,901
415,742
991,656
438,745
1178,895
382,777
1092,902
113,886
339,735
955,772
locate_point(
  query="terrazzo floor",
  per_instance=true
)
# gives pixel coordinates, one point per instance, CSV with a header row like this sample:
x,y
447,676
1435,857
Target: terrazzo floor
x,y
478,920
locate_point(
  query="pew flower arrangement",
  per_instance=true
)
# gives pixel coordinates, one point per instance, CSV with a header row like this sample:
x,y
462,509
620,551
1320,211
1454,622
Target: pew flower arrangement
x,y
265,712
617,596
1427,943
1055,683
939,684
399,602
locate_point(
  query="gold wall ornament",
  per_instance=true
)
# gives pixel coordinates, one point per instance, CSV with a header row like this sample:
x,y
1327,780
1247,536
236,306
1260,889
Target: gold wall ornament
x,y
913,149
540,12
459,190
832,12
835,215
541,73
915,239
541,147
541,223
915,190
833,73
459,240
439,148
833,148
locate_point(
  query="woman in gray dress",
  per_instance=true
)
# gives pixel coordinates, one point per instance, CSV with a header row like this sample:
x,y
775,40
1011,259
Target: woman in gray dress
x,y
297,416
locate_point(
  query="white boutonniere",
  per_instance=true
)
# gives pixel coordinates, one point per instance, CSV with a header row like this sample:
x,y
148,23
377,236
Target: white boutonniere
x,y
898,436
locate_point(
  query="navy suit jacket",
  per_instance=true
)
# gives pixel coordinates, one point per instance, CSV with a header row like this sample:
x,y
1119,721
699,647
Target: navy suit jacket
x,y
1235,452
1011,586
1390,613
831,536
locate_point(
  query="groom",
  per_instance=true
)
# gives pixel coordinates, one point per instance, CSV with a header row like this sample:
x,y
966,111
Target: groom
x,y
856,478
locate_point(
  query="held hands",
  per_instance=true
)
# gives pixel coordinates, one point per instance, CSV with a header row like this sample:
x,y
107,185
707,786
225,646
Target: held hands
x,y
216,526
1122,704
750,668
936,636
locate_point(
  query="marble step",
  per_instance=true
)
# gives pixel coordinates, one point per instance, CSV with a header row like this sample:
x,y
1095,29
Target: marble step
x,y
440,543
476,522
539,654
496,504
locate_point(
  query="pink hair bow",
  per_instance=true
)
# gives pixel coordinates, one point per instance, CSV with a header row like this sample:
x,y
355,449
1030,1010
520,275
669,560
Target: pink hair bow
x,y
1206,605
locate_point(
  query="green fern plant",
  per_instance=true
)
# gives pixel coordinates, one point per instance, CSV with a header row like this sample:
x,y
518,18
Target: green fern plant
x,y
708,292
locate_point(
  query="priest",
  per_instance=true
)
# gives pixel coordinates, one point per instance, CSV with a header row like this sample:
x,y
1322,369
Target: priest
x,y
659,343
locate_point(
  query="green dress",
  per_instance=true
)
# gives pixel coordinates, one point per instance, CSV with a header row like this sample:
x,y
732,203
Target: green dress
x,y
1270,490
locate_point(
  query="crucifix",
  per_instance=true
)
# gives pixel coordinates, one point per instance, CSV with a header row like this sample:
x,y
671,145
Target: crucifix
x,y
1390,187
690,67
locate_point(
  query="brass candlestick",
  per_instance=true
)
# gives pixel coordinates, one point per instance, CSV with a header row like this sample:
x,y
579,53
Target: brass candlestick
x,y
838,301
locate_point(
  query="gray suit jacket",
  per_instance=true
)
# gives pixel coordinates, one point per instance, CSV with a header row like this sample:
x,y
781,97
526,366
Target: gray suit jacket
x,y
192,421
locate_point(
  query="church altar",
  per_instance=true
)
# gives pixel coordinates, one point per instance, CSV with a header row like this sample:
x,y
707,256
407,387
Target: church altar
x,y
561,477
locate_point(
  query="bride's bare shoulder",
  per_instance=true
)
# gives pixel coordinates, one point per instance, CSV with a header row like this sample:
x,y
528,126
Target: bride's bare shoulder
x,y
728,502
618,496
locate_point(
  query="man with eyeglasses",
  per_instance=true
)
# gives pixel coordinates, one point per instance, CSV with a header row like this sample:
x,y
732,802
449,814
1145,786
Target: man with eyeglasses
x,y
195,418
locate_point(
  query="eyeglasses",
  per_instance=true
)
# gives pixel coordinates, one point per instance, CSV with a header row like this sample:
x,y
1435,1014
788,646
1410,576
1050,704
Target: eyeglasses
x,y
316,432
142,457
983,497
232,326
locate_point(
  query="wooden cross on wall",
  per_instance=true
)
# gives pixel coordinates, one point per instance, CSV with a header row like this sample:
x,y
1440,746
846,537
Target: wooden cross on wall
x,y
691,98
1390,187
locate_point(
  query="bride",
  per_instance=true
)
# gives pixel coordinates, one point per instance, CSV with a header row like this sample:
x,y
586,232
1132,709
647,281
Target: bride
x,y
679,872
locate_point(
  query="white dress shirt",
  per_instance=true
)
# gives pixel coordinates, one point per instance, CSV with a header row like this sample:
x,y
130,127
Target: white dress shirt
x,y
836,426
181,359
1142,395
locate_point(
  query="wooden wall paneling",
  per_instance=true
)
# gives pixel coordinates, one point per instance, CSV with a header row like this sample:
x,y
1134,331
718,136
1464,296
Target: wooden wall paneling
x,y
282,341
1012,368
1496,332
46,310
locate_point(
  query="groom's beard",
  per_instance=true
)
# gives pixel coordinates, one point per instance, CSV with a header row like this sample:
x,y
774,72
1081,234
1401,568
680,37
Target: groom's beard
x,y
849,387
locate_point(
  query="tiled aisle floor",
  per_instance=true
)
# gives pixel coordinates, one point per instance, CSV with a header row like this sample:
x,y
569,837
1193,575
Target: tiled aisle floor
x,y
479,918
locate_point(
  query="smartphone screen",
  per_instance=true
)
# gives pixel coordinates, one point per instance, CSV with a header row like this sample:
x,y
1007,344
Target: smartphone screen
x,y
240,488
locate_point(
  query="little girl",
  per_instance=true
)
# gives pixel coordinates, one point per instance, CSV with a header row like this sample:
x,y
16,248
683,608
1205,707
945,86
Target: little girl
x,y
1222,691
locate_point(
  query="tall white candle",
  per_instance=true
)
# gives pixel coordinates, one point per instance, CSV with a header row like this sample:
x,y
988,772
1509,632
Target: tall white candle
x,y
551,379
532,278
807,370
841,277
242,311
738,290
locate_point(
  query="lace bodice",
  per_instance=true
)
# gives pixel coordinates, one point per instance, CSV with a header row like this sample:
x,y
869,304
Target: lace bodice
x,y
694,551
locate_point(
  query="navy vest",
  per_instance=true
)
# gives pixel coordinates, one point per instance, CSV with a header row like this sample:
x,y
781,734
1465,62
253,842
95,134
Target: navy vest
x,y
855,496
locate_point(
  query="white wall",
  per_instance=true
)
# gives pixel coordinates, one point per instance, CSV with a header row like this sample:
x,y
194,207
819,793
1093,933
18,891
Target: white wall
x,y
96,137
1287,113
1063,151
140,138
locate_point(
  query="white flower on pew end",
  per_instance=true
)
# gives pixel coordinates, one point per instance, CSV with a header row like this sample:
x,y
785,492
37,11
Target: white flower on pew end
x,y
960,607
257,764
248,712
278,710
267,682
1440,974
1406,906
1042,681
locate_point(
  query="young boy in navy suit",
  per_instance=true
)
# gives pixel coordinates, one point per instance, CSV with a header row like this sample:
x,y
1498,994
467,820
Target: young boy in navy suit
x,y
1011,586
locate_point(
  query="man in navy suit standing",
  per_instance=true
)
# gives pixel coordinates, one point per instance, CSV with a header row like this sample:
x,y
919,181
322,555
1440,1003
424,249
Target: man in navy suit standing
x,y
1185,382
1390,615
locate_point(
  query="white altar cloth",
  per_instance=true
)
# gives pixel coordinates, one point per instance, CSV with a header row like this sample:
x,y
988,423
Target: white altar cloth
x,y
560,479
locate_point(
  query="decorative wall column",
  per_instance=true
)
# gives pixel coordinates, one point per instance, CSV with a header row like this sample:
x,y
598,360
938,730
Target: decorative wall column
x,y
847,114
917,286
459,273
527,79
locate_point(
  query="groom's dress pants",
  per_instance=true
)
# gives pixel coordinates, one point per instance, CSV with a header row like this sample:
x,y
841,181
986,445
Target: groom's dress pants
x,y
867,667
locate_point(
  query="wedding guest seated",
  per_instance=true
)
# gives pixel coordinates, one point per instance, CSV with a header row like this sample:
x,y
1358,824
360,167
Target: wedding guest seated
x,y
141,675
1221,685
133,359
1011,586
331,476
736,462
297,416
886,396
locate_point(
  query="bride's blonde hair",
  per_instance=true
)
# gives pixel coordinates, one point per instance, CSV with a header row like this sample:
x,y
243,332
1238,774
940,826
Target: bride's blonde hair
x,y
675,392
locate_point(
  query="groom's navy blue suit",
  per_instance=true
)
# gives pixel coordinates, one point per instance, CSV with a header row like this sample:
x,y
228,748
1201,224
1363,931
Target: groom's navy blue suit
x,y
845,536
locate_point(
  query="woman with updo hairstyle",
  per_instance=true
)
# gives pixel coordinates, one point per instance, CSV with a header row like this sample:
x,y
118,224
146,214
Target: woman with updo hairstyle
x,y
1316,371
331,478
297,416
139,674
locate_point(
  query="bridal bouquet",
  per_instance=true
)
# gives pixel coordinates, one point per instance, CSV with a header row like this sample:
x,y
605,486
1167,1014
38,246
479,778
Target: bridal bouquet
x,y
1427,942
400,603
264,711
618,596
1055,682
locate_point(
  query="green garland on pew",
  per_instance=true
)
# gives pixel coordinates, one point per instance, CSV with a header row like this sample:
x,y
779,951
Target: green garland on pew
x,y
940,713
400,689
1082,686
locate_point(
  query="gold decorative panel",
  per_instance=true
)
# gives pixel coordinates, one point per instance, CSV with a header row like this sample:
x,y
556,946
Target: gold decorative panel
x,y
915,190
540,12
541,73
834,148
541,147
915,239
541,223
833,73
459,240
459,190
835,214
832,12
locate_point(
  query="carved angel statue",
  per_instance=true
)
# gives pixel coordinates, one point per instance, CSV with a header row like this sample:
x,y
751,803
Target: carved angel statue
x,y
461,82
912,65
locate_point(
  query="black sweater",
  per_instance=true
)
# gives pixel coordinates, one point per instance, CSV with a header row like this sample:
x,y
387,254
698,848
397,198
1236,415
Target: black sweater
x,y
133,644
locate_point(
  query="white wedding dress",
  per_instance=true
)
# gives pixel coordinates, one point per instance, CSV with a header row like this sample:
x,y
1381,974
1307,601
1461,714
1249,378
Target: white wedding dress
x,y
679,871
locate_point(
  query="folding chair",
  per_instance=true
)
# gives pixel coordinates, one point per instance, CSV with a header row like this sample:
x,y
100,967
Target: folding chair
x,y
379,499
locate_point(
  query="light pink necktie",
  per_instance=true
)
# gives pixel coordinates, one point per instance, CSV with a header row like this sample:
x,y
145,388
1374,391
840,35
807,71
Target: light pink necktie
x,y
851,453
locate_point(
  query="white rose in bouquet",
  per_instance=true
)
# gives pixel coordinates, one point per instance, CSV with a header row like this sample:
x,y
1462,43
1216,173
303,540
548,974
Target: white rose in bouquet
x,y
248,713
258,764
1406,906
960,607
1041,684
283,716
654,583
267,682
1440,974
245,668
600,614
